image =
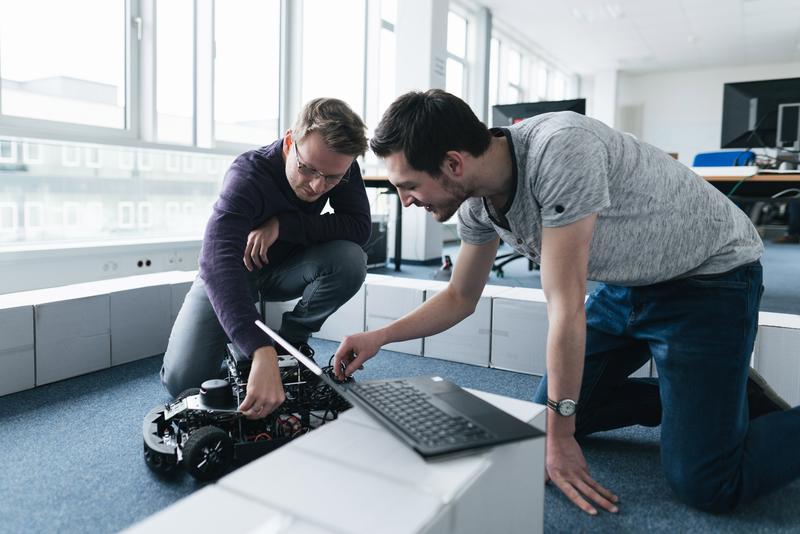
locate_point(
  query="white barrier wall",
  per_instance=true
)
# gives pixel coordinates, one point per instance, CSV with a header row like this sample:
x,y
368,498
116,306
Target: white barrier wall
x,y
85,327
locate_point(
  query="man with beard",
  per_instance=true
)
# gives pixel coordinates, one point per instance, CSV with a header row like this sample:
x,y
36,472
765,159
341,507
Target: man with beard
x,y
267,234
680,282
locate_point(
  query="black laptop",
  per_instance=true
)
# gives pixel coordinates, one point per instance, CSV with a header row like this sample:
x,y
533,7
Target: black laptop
x,y
434,417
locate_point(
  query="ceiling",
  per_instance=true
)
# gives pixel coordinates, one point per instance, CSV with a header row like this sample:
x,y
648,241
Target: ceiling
x,y
588,36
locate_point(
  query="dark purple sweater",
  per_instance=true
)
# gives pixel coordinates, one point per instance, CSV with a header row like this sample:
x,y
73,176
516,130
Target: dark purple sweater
x,y
255,188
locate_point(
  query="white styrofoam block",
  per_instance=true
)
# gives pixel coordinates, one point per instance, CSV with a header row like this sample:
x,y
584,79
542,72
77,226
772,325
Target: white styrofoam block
x,y
282,480
777,359
782,320
444,479
200,512
140,321
275,311
387,302
466,342
17,363
73,337
349,319
519,331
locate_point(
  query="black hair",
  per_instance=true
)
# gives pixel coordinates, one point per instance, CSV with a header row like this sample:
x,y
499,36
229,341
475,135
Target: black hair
x,y
425,126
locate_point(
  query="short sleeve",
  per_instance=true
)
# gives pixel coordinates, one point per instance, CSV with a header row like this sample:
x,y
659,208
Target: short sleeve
x,y
572,179
472,228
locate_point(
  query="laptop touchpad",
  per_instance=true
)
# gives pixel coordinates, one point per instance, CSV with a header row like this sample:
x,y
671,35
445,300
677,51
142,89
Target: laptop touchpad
x,y
466,403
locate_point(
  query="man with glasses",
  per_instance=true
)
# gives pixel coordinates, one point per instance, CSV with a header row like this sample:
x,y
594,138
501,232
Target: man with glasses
x,y
267,235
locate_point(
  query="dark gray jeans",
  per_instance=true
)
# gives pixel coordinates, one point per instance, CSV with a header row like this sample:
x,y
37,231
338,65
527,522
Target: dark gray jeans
x,y
324,275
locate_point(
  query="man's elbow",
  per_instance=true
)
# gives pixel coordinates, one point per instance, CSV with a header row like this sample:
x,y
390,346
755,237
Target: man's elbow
x,y
363,232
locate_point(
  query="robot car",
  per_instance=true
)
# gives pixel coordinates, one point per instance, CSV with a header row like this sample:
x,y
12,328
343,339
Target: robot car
x,y
203,431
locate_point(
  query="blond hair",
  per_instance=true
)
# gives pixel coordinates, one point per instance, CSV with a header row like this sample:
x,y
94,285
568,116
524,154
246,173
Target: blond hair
x,y
340,127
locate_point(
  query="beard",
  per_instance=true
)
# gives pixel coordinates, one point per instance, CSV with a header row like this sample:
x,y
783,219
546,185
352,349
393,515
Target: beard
x,y
458,194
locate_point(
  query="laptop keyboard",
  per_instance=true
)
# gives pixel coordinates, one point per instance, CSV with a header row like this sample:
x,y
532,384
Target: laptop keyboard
x,y
411,410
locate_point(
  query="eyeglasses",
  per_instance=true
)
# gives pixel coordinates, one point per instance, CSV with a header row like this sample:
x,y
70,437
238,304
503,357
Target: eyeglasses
x,y
310,172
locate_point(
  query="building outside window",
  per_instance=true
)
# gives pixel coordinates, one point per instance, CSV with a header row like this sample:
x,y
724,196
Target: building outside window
x,y
79,77
333,51
246,71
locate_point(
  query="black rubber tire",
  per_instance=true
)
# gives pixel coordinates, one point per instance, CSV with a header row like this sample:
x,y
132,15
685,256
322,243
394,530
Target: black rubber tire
x,y
160,463
207,453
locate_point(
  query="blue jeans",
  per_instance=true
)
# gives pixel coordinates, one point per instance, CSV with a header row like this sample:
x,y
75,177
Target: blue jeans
x,y
700,332
794,218
324,275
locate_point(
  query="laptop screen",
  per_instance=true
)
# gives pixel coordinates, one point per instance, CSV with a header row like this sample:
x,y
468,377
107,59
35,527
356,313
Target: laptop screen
x,y
308,362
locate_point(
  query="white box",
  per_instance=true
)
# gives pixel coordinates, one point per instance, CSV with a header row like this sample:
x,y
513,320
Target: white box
x,y
140,320
215,509
519,331
17,363
776,356
349,319
73,337
470,340
495,490
310,487
389,298
275,311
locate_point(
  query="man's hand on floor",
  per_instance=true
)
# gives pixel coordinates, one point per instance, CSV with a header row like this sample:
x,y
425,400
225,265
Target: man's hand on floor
x,y
567,469
264,387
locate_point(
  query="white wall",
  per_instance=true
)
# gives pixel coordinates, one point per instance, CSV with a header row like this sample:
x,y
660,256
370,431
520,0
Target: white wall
x,y
681,111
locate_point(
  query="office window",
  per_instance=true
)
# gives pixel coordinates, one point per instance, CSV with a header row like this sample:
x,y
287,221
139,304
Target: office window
x,y
456,65
175,71
58,64
387,89
514,90
494,73
246,71
34,215
333,51
8,151
542,75
389,11
31,153
557,89
8,218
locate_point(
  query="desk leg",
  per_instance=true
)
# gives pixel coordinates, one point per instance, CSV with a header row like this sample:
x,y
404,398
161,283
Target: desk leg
x,y
398,234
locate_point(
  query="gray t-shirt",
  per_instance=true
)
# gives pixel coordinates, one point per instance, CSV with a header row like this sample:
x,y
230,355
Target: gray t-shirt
x,y
656,219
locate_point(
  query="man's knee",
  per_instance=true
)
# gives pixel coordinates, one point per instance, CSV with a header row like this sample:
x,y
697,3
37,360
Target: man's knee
x,y
173,382
351,264
700,491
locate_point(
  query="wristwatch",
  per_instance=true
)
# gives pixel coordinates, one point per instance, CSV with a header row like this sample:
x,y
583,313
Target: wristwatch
x,y
564,407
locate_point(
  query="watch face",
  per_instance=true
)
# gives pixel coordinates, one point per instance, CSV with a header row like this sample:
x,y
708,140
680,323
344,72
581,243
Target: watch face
x,y
566,407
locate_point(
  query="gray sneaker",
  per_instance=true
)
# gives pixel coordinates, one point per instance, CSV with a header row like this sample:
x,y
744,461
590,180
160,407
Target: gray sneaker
x,y
761,397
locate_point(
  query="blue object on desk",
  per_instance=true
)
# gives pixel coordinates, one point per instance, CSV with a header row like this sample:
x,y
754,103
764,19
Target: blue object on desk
x,y
727,158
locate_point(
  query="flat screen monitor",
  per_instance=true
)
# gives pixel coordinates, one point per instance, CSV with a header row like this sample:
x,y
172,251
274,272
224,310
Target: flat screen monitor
x,y
508,114
752,112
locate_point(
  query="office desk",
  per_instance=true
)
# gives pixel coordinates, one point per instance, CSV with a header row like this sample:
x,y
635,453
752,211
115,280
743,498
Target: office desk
x,y
384,183
756,185
351,476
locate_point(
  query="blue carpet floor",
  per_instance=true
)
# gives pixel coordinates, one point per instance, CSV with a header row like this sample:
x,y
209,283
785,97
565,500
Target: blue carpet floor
x,y
72,458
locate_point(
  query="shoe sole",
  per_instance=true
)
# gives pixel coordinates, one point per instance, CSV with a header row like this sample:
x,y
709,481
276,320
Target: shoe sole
x,y
767,390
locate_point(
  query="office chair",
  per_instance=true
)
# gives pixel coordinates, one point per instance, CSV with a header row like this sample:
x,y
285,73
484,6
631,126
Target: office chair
x,y
725,158
502,260
734,158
